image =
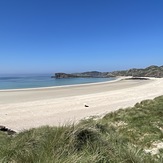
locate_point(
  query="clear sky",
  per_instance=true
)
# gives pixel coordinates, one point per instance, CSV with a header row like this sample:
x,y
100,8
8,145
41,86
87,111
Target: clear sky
x,y
46,36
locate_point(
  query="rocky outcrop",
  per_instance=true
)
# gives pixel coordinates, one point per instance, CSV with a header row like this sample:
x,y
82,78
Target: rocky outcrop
x,y
90,74
7,130
63,75
137,78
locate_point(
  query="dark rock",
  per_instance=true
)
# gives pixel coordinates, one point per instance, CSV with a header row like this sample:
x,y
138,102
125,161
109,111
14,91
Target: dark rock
x,y
6,130
137,78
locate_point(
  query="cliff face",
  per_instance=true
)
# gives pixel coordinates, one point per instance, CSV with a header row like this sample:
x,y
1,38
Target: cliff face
x,y
152,71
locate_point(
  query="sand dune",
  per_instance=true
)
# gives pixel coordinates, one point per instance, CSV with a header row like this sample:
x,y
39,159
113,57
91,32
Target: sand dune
x,y
24,109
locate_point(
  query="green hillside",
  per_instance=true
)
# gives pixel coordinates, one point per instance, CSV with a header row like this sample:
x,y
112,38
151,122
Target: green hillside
x,y
152,71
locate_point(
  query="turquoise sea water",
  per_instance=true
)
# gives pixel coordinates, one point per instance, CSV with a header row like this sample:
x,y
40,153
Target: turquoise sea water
x,y
35,81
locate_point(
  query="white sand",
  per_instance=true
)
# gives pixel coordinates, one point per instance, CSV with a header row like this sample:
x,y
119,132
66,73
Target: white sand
x,y
24,109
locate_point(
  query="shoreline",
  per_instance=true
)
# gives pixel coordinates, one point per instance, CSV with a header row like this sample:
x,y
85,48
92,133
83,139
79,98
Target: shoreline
x,y
26,109
62,86
72,85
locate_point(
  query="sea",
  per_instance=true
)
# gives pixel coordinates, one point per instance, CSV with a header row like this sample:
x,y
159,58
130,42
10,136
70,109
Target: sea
x,y
42,80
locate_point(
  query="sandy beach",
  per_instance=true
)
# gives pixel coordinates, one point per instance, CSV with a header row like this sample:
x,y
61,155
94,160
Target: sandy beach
x,y
24,109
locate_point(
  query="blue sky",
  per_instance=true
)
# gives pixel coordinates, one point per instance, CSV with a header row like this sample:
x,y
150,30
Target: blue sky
x,y
46,36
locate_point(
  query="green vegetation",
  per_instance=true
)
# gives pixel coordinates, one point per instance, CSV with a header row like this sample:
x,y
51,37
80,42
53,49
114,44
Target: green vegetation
x,y
151,71
118,137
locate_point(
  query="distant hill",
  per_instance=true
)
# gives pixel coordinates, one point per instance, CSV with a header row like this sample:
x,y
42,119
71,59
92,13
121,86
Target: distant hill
x,y
152,71
95,74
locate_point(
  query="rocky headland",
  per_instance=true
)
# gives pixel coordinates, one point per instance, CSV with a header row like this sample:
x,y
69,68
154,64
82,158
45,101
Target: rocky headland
x,y
91,74
151,71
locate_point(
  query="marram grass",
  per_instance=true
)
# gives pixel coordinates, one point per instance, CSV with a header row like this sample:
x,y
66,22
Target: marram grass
x,y
118,137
